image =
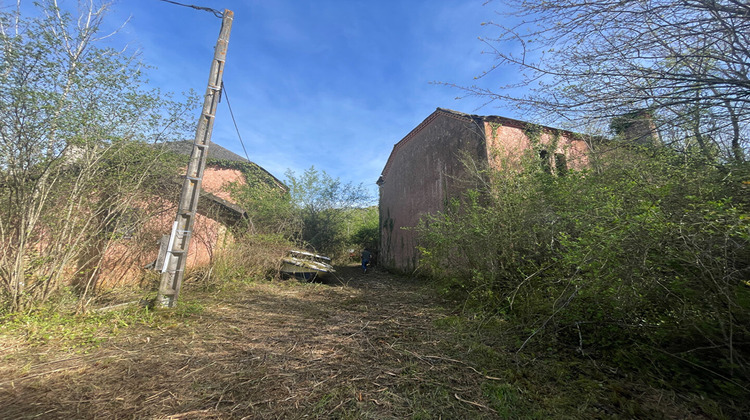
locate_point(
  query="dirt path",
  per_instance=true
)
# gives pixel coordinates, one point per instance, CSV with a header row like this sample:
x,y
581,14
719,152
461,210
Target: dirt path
x,y
364,346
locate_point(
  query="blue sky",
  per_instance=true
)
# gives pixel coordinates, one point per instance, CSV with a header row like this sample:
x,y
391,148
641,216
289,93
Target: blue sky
x,y
330,83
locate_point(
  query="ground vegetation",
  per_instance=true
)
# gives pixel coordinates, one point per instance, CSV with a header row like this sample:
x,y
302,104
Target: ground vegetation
x,y
640,263
363,346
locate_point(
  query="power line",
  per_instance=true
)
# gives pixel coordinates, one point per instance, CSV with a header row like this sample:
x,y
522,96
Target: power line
x,y
224,89
216,13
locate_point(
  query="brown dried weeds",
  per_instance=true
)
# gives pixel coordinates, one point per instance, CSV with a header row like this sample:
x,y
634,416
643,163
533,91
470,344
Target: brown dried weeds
x,y
364,346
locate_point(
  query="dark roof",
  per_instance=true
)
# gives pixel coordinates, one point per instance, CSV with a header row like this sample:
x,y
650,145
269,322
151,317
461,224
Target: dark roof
x,y
219,153
215,151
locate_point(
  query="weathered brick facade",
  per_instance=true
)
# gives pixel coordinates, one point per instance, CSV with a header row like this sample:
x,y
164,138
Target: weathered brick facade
x,y
425,170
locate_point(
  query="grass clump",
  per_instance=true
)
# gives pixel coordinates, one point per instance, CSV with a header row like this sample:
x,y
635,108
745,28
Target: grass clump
x,y
58,325
76,332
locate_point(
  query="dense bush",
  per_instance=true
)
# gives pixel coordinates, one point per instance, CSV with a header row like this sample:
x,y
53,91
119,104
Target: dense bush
x,y
318,212
363,229
645,255
325,206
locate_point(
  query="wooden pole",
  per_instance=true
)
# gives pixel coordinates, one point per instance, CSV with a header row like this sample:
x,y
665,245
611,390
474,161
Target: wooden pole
x,y
173,269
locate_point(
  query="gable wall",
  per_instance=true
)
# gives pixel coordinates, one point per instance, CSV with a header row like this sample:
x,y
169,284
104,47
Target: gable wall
x,y
419,178
216,181
425,170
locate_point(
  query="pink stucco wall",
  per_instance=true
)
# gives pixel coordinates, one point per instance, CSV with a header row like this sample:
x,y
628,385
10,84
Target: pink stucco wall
x,y
507,143
124,259
217,180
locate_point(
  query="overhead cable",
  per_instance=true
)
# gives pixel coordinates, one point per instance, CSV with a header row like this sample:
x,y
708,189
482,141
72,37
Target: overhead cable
x,y
224,89
216,13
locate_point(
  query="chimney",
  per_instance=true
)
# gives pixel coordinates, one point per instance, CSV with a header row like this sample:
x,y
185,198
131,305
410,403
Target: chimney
x,y
637,127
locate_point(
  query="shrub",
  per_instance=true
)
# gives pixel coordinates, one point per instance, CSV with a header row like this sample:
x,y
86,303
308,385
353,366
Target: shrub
x,y
646,258
251,257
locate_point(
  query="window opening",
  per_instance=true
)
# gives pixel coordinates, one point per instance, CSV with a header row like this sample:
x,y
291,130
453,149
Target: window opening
x,y
544,157
561,164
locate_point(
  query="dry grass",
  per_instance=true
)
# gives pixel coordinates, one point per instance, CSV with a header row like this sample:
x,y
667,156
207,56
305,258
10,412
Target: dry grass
x,y
363,347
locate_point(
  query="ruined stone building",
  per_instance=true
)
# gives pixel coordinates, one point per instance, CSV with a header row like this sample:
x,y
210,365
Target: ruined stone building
x,y
425,169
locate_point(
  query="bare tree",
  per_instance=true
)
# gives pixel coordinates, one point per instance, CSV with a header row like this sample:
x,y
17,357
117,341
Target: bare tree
x,y
582,62
72,114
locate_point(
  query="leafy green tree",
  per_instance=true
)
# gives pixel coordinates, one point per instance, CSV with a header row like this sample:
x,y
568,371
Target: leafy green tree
x,y
75,118
269,206
323,204
363,228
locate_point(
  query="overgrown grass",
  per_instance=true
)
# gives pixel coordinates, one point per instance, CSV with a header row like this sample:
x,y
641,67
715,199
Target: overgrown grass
x,y
62,328
381,347
251,257
62,324
551,381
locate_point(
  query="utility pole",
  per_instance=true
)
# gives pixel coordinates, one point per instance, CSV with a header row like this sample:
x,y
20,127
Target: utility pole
x,y
173,269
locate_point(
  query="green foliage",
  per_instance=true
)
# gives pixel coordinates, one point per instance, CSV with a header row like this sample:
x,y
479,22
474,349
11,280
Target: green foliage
x,y
253,173
317,211
652,252
533,132
81,332
268,204
323,205
362,226
56,323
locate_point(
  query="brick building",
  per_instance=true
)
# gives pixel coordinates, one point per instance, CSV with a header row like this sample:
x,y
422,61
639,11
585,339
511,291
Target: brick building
x,y
425,169
124,259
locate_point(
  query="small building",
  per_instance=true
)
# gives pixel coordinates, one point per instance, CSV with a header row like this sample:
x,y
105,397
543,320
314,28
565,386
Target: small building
x,y
427,168
124,260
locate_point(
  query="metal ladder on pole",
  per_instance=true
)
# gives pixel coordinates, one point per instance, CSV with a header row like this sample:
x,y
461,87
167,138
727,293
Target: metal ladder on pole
x,y
173,270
